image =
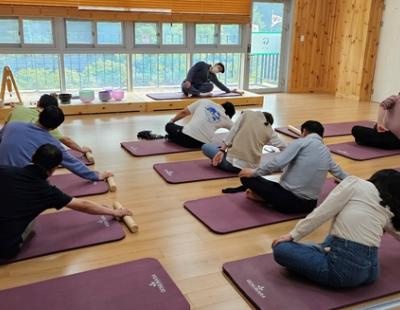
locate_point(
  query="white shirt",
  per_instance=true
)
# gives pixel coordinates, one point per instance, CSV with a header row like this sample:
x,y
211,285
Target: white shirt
x,y
207,117
354,206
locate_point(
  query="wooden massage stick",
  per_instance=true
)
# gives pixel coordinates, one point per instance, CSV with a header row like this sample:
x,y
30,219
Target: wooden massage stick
x,y
128,220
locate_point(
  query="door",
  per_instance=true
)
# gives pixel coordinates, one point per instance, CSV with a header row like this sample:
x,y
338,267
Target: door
x,y
267,59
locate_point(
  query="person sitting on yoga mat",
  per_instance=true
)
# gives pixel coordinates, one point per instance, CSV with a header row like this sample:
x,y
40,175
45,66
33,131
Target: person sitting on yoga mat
x,y
386,133
207,117
361,212
200,78
242,148
25,193
20,140
30,115
305,162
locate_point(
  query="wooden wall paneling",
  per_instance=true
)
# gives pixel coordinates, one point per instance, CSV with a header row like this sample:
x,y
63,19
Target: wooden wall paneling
x,y
374,30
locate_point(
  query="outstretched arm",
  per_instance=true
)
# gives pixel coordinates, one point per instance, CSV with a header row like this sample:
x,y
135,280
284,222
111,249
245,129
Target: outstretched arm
x,y
67,141
90,207
181,114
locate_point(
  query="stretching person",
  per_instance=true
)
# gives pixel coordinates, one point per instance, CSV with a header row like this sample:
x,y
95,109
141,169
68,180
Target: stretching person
x,y
242,148
386,133
30,115
207,117
25,193
20,140
200,79
307,161
361,212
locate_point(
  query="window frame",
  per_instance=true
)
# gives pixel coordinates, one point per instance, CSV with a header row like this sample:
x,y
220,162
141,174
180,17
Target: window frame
x,y
109,46
184,34
220,36
158,35
37,45
80,45
216,36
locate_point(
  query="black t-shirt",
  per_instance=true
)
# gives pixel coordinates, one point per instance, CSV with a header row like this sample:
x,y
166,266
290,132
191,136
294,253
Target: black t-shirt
x,y
24,194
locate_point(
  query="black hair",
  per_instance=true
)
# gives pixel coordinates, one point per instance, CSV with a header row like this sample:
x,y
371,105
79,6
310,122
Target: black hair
x,y
46,101
229,109
47,156
313,127
387,181
221,65
51,117
269,118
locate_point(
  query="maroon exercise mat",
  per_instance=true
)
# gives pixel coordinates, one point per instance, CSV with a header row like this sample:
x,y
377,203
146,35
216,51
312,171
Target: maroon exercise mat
x,y
162,146
67,230
81,157
138,285
180,95
270,286
190,171
358,152
233,212
331,130
75,186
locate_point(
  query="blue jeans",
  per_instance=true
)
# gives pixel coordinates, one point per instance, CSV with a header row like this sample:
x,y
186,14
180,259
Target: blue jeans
x,y
346,264
210,150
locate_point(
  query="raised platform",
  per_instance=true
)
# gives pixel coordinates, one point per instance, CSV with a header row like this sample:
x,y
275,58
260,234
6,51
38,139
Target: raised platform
x,y
136,102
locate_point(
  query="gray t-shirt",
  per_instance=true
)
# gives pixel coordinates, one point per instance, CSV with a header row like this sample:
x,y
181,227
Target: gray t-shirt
x,y
207,117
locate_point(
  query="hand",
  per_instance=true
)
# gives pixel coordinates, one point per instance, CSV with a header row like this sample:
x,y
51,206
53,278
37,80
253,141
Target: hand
x,y
171,120
187,84
380,128
218,158
85,149
106,174
246,173
283,238
121,212
237,91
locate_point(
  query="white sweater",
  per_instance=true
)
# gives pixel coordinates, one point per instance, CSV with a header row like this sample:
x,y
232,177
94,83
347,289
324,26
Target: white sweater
x,y
354,206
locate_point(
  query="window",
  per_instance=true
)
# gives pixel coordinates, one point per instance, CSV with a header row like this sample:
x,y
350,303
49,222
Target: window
x,y
37,31
230,35
79,32
9,29
146,34
95,71
231,62
109,33
39,72
172,34
158,70
205,34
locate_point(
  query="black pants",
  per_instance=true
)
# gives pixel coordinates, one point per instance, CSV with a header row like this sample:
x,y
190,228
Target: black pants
x,y
197,89
371,137
176,135
277,197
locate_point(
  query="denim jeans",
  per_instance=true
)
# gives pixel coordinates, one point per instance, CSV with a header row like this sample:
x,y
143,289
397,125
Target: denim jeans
x,y
210,150
336,262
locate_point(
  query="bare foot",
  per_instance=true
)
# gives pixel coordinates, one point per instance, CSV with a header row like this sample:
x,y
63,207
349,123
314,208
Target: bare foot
x,y
253,196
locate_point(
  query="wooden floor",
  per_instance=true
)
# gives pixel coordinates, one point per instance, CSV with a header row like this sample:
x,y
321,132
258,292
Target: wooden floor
x,y
191,254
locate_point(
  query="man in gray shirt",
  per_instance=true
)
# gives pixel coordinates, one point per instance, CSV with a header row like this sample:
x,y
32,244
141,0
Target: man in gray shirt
x,y
306,162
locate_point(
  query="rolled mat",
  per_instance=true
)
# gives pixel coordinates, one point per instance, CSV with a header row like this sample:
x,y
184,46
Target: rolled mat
x,y
331,130
81,157
141,284
269,286
233,212
75,186
180,95
191,171
63,231
359,152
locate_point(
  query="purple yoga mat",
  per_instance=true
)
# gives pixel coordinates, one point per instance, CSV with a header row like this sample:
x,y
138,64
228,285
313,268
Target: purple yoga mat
x,y
153,147
191,171
331,130
180,95
162,146
75,186
81,157
62,231
358,152
233,212
269,286
138,285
